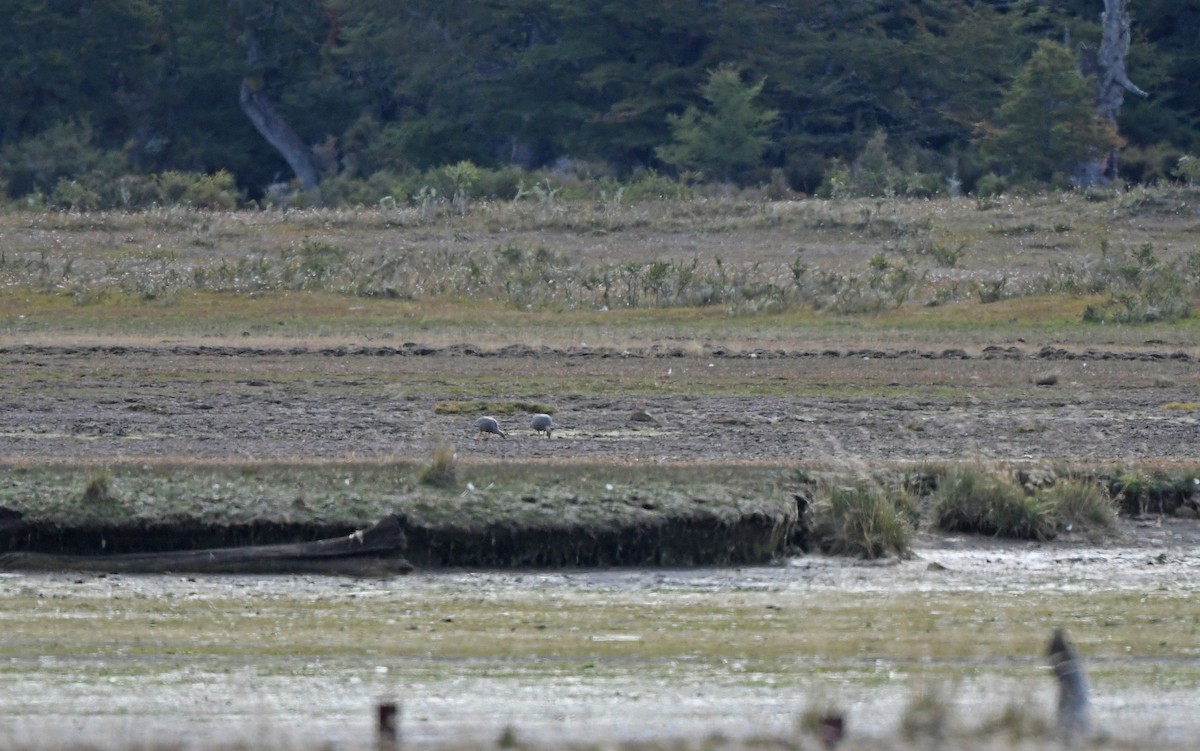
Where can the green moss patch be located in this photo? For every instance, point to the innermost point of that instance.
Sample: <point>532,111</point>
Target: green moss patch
<point>491,408</point>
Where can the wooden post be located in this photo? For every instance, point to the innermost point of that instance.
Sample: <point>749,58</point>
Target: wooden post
<point>388,728</point>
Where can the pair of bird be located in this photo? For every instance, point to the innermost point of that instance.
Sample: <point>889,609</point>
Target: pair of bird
<point>489,426</point>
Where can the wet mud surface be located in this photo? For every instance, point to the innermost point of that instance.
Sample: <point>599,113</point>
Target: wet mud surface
<point>843,406</point>
<point>608,682</point>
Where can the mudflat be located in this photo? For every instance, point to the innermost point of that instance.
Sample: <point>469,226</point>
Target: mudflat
<point>855,408</point>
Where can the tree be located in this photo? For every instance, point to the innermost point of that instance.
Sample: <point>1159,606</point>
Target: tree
<point>258,106</point>
<point>1047,121</point>
<point>730,136</point>
<point>428,70</point>
<point>1111,84</point>
<point>65,61</point>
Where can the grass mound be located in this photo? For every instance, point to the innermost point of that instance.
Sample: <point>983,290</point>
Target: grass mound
<point>98,488</point>
<point>977,500</point>
<point>442,470</point>
<point>1082,505</point>
<point>864,520</point>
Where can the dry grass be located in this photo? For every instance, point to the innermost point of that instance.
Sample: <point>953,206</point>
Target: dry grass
<point>442,470</point>
<point>515,272</point>
<point>1083,505</point>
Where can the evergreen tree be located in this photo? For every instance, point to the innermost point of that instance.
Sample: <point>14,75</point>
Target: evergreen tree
<point>730,136</point>
<point>1047,122</point>
<point>372,86</point>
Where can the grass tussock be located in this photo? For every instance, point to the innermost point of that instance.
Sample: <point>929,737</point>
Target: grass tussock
<point>1016,722</point>
<point>927,716</point>
<point>981,501</point>
<point>1140,491</point>
<point>442,470</point>
<point>865,520</point>
<point>1029,505</point>
<point>1045,379</point>
<point>99,488</point>
<point>460,408</point>
<point>1082,505</point>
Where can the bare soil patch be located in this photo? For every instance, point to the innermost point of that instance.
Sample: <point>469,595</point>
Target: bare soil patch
<point>851,408</point>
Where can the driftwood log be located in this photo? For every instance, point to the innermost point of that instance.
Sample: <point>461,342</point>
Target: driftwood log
<point>367,552</point>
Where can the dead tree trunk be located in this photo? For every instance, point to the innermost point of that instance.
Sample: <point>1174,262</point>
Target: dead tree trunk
<point>267,121</point>
<point>1112,81</point>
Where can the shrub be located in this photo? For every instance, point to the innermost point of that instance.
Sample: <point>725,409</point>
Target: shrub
<point>927,716</point>
<point>442,470</point>
<point>873,173</point>
<point>1156,163</point>
<point>886,286</point>
<point>217,191</point>
<point>1081,505</point>
<point>877,173</point>
<point>1140,492</point>
<point>1142,289</point>
<point>500,183</point>
<point>1187,169</point>
<point>1016,722</point>
<point>75,195</point>
<point>975,500</point>
<point>863,520</point>
<point>98,488</point>
<point>648,185</point>
<point>989,186</point>
<point>98,190</point>
<point>316,261</point>
<point>62,152</point>
<point>947,255</point>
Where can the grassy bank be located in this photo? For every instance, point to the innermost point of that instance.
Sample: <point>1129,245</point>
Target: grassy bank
<point>489,514</point>
<point>555,514</point>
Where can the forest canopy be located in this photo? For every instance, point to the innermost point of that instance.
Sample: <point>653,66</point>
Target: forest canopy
<point>108,102</point>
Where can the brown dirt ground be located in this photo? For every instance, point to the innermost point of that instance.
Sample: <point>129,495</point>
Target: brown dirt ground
<point>850,408</point>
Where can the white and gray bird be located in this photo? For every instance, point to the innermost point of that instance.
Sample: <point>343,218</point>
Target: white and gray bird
<point>488,427</point>
<point>542,424</point>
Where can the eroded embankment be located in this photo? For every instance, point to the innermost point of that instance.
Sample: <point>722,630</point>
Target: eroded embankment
<point>698,538</point>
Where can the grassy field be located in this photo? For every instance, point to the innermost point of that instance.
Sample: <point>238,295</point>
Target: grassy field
<point>727,272</point>
<point>218,369</point>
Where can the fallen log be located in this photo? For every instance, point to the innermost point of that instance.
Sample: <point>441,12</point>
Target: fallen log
<point>367,552</point>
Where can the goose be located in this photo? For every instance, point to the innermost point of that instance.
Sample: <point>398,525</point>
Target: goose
<point>488,427</point>
<point>542,424</point>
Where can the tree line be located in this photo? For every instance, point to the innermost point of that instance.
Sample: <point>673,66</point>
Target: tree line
<point>347,99</point>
